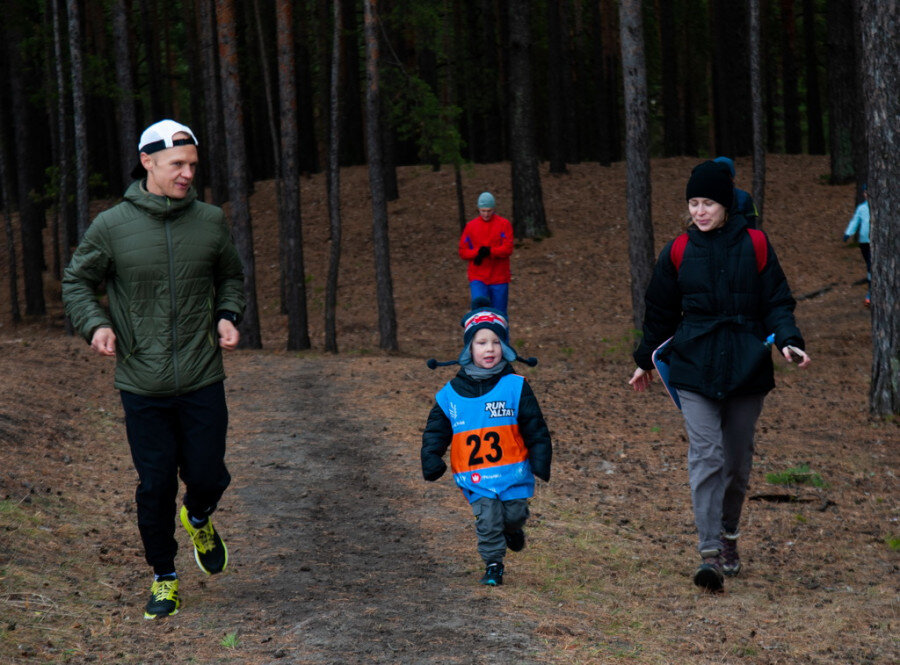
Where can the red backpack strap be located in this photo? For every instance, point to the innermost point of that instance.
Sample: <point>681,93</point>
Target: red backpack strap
<point>676,252</point>
<point>760,248</point>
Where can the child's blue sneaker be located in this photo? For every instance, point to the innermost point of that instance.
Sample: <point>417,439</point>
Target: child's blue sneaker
<point>493,574</point>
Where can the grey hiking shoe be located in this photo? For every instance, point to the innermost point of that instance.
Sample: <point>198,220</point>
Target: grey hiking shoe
<point>709,575</point>
<point>731,560</point>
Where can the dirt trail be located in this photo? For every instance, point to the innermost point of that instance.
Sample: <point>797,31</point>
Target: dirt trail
<point>342,575</point>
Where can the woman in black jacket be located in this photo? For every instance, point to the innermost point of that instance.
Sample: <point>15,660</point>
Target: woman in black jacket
<point>718,294</point>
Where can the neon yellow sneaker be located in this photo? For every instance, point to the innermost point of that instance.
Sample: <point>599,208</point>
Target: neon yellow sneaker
<point>209,549</point>
<point>164,601</point>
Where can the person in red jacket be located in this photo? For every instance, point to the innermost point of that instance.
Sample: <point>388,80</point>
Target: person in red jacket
<point>487,243</point>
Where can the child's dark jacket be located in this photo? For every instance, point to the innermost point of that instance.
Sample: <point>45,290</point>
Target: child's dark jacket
<point>439,431</point>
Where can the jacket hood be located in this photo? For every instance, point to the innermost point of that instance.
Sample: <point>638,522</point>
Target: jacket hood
<point>159,207</point>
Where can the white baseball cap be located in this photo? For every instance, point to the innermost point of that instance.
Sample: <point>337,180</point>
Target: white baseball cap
<point>158,136</point>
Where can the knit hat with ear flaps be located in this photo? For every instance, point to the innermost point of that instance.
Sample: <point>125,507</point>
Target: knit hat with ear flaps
<point>482,315</point>
<point>711,180</point>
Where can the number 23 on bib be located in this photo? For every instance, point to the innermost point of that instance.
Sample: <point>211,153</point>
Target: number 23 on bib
<point>488,456</point>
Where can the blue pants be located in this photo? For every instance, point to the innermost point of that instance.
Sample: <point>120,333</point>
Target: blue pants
<point>171,436</point>
<point>498,294</point>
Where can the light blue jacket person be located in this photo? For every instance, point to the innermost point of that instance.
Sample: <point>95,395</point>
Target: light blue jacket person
<point>859,223</point>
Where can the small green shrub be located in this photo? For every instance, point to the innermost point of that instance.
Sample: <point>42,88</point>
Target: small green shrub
<point>798,475</point>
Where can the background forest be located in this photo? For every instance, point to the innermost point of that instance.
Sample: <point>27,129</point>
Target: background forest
<point>282,88</point>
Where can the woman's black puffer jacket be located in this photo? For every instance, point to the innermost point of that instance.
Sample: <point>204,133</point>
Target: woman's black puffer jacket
<point>720,308</point>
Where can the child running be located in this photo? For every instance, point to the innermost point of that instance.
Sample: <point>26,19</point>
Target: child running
<point>491,420</point>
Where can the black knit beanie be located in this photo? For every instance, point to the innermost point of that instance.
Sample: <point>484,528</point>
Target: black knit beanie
<point>711,180</point>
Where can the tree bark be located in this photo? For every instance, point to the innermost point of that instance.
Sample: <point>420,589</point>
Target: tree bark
<point>387,318</point>
<point>731,80</point>
<point>6,201</point>
<point>555,100</point>
<point>151,40</point>
<point>353,145</point>
<point>28,176</point>
<point>241,226</point>
<point>82,205</point>
<point>880,33</point>
<point>842,98</point>
<point>793,134</point>
<point>267,81</point>
<point>212,149</point>
<point>63,237</point>
<point>814,123</point>
<point>289,201</point>
<point>334,184</point>
<point>529,220</point>
<point>759,139</point>
<point>127,119</point>
<point>637,155</point>
<point>673,121</point>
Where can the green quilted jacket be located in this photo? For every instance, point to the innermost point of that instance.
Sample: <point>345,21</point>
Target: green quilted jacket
<point>169,265</point>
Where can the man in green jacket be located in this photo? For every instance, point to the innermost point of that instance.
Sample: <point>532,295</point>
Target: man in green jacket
<point>174,284</point>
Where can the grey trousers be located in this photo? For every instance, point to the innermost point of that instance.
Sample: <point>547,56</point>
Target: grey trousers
<point>493,517</point>
<point>720,456</point>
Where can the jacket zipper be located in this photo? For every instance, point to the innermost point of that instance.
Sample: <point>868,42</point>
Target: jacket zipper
<point>173,301</point>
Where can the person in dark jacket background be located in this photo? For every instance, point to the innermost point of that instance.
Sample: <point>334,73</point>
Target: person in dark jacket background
<point>743,203</point>
<point>175,287</point>
<point>490,419</point>
<point>720,307</point>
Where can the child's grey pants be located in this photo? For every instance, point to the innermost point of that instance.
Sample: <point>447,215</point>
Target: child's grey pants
<point>720,456</point>
<point>493,517</point>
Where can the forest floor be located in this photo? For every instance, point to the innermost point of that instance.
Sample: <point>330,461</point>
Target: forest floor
<point>341,553</point>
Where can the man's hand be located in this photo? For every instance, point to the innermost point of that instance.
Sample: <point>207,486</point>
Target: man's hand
<point>228,335</point>
<point>104,341</point>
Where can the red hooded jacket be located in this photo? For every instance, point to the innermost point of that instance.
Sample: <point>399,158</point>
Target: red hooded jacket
<point>497,234</point>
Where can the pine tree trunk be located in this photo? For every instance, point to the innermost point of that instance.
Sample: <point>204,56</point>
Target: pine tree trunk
<point>793,135</point>
<point>334,183</point>
<point>213,148</point>
<point>127,119</point>
<point>289,201</point>
<point>384,288</point>
<point>150,37</point>
<point>28,177</point>
<point>529,220</point>
<point>881,58</point>
<point>673,126</point>
<point>63,238</point>
<point>6,203</point>
<point>637,155</point>
<point>814,123</point>
<point>759,145</point>
<point>352,125</point>
<point>555,100</point>
<point>610,121</point>
<point>82,205</point>
<point>731,79</point>
<point>842,99</point>
<point>237,168</point>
